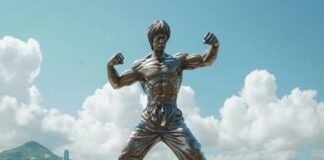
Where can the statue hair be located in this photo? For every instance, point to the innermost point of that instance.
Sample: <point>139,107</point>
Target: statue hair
<point>158,27</point>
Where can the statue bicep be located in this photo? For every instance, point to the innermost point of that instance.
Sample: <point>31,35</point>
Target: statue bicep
<point>193,61</point>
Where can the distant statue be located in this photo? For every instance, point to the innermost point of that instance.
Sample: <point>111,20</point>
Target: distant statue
<point>160,76</point>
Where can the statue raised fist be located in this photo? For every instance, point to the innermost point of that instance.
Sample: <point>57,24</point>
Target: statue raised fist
<point>117,59</point>
<point>210,39</point>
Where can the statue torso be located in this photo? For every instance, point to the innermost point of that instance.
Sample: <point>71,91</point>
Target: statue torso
<point>160,79</point>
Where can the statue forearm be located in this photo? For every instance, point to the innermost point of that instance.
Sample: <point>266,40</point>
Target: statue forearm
<point>113,76</point>
<point>126,78</point>
<point>210,55</point>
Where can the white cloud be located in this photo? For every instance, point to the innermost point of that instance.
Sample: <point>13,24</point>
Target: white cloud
<point>256,155</point>
<point>274,125</point>
<point>19,65</point>
<point>19,98</point>
<point>259,89</point>
<point>104,123</point>
<point>255,124</point>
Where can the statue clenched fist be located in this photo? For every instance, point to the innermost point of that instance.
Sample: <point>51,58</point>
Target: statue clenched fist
<point>117,59</point>
<point>211,39</point>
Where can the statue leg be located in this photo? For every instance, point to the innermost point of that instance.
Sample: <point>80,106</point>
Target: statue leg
<point>183,144</point>
<point>139,143</point>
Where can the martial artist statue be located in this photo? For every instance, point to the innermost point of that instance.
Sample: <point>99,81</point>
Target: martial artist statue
<point>160,75</point>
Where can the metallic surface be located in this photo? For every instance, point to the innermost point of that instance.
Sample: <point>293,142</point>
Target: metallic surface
<point>160,76</point>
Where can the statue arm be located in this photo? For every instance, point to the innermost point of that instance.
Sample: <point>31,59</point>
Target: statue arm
<point>195,61</point>
<point>126,78</point>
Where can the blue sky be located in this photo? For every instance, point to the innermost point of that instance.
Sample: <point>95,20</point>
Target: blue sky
<point>77,38</point>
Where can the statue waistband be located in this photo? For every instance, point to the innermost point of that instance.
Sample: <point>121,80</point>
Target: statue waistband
<point>172,103</point>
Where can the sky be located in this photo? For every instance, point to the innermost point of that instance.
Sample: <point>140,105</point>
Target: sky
<point>267,77</point>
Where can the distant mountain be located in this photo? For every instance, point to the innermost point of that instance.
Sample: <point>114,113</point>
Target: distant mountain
<point>29,151</point>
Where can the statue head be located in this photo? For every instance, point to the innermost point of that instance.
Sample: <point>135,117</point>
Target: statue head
<point>158,27</point>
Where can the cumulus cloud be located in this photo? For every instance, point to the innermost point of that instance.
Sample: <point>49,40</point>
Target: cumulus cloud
<point>19,65</point>
<point>255,155</point>
<point>276,126</point>
<point>104,123</point>
<point>19,98</point>
<point>254,124</point>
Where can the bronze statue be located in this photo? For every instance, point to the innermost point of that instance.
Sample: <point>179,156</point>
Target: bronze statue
<point>160,76</point>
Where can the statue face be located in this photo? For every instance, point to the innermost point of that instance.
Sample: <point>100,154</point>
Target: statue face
<point>159,42</point>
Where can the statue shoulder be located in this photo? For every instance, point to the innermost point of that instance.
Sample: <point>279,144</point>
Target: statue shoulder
<point>180,56</point>
<point>138,63</point>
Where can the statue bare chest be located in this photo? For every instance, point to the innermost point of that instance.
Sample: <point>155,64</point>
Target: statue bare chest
<point>153,68</point>
<point>161,78</point>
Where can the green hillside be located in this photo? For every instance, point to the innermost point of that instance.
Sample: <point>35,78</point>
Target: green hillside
<point>29,151</point>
